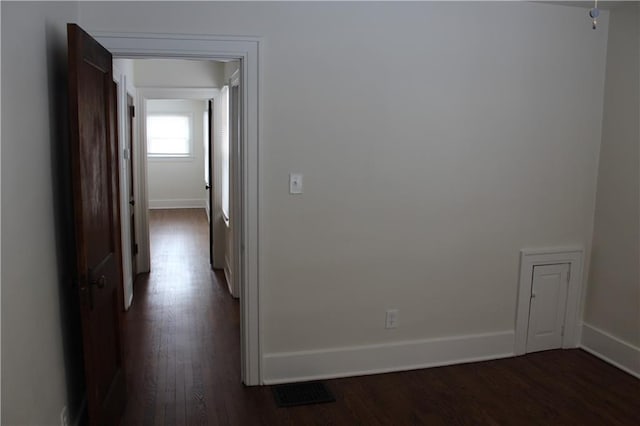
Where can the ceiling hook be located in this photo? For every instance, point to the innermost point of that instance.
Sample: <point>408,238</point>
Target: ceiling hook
<point>594,12</point>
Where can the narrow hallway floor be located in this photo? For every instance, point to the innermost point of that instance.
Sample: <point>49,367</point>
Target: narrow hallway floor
<point>182,332</point>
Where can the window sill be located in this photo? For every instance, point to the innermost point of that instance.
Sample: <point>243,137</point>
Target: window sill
<point>165,158</point>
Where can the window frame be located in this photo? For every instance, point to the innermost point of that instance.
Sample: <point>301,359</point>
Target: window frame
<point>172,157</point>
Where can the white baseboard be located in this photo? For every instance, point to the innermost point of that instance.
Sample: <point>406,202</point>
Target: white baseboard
<point>611,349</point>
<point>129,302</point>
<point>300,366</point>
<point>177,204</point>
<point>129,298</point>
<point>229,277</point>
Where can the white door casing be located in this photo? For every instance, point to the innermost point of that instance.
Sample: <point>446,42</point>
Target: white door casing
<point>127,265</point>
<point>235,130</point>
<point>548,307</point>
<point>246,176</point>
<point>143,95</point>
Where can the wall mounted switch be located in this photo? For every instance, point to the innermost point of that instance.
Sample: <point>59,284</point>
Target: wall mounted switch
<point>295,183</point>
<point>391,319</point>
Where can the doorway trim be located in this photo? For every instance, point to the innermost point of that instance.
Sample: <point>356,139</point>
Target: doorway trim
<point>247,51</point>
<point>530,258</point>
<point>144,94</point>
<point>123,116</point>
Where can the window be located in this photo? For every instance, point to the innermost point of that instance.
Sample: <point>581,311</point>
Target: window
<point>168,135</point>
<point>224,154</point>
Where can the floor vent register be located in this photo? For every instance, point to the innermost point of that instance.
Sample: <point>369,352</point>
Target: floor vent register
<point>292,394</point>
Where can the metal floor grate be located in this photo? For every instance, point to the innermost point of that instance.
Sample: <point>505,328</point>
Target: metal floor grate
<point>292,394</point>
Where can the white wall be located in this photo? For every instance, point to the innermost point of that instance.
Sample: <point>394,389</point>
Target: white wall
<point>613,298</point>
<point>177,73</point>
<point>0,219</point>
<point>41,366</point>
<point>219,226</point>
<point>126,67</point>
<point>178,183</point>
<point>230,68</point>
<point>422,181</point>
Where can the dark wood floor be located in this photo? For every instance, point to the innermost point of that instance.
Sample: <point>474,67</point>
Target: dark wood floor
<point>183,368</point>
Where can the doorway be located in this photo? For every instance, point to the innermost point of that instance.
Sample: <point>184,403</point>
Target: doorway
<point>245,175</point>
<point>171,180</point>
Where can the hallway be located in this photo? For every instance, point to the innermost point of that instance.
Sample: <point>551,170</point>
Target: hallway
<point>182,332</point>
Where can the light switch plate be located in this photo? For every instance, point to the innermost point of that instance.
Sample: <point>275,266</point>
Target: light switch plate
<point>391,320</point>
<point>295,183</point>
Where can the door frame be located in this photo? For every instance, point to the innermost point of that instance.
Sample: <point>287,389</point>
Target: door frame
<point>235,136</point>
<point>209,160</point>
<point>248,51</point>
<point>144,94</point>
<point>124,89</point>
<point>530,258</point>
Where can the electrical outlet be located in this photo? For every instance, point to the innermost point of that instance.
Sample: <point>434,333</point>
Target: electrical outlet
<point>295,183</point>
<point>64,417</point>
<point>391,319</point>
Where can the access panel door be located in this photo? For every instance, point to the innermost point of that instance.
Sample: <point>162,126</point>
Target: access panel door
<point>548,307</point>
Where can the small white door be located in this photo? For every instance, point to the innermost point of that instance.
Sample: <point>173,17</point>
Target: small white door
<point>548,306</point>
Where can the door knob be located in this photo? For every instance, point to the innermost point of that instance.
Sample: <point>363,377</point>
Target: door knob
<point>100,282</point>
<point>132,202</point>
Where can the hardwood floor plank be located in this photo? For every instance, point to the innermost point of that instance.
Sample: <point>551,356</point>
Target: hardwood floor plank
<point>183,364</point>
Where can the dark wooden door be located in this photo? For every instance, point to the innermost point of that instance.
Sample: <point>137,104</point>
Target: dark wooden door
<point>210,177</point>
<point>94,162</point>
<point>131,188</point>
